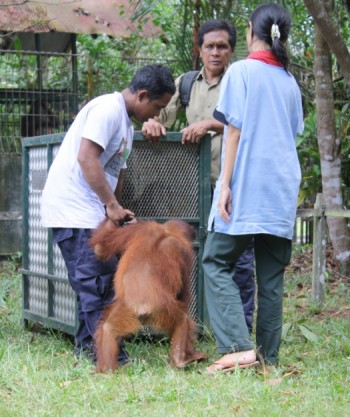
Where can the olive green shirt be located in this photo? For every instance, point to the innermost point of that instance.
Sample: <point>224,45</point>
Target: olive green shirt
<point>203,100</point>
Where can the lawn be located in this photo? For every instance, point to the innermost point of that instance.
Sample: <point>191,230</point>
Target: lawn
<point>39,376</point>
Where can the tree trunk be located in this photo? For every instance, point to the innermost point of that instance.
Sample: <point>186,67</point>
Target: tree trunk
<point>196,17</point>
<point>329,147</point>
<point>331,33</point>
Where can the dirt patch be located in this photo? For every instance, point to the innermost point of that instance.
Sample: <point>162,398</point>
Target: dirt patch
<point>342,313</point>
<point>301,265</point>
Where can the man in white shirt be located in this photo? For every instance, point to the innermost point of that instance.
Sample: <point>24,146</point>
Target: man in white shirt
<point>84,186</point>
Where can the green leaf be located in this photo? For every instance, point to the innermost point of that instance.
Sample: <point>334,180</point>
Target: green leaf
<point>285,329</point>
<point>308,334</point>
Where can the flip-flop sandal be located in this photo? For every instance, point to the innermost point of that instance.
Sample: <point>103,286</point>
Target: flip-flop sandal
<point>219,367</point>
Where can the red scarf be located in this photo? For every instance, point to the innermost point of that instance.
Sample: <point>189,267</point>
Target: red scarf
<point>265,56</point>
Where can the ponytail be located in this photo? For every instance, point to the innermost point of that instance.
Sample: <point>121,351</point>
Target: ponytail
<point>271,23</point>
<point>278,48</point>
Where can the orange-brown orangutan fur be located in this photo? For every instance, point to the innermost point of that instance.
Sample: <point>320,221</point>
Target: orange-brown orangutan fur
<point>152,287</point>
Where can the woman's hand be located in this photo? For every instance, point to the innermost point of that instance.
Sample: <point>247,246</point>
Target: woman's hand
<point>225,203</point>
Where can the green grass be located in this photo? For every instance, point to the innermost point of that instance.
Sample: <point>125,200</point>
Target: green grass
<point>40,377</point>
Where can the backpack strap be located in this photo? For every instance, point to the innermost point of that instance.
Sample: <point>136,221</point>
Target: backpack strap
<point>185,86</point>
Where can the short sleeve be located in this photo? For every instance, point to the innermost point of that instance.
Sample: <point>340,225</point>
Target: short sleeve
<point>168,115</point>
<point>101,124</point>
<point>232,100</point>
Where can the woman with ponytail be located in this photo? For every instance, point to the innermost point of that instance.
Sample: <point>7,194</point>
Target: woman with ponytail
<point>256,193</point>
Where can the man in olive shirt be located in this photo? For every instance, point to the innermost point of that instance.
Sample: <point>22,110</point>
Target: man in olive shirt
<point>216,41</point>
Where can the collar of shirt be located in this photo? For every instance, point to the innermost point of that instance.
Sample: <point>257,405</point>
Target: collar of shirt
<point>265,56</point>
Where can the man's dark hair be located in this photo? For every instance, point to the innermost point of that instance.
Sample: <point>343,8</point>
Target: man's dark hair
<point>156,79</point>
<point>218,24</point>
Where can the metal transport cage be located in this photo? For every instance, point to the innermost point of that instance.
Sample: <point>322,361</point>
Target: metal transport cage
<point>163,181</point>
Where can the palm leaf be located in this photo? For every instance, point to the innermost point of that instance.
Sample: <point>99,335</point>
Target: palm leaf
<point>285,329</point>
<point>308,334</point>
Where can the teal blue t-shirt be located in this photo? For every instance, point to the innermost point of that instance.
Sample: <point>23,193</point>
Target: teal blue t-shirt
<point>264,102</point>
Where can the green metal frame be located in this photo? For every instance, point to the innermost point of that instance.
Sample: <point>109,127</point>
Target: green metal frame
<point>49,321</point>
<point>50,141</point>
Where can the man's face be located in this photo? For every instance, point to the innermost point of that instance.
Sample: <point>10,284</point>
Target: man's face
<point>148,109</point>
<point>216,51</point>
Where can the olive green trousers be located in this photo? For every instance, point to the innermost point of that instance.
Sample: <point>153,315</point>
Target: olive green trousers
<point>226,315</point>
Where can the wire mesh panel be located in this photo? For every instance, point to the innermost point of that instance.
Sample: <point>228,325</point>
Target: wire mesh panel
<point>163,181</point>
<point>37,251</point>
<point>47,295</point>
